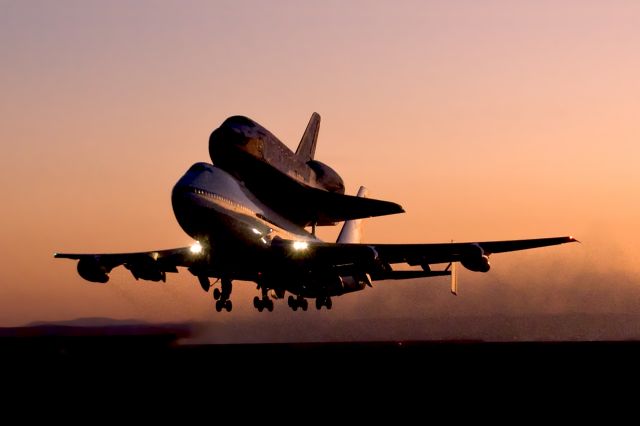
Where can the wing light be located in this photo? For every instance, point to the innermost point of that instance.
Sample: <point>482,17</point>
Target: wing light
<point>196,248</point>
<point>300,245</point>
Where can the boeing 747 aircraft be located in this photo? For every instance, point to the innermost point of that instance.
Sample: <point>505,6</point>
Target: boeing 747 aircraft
<point>253,214</point>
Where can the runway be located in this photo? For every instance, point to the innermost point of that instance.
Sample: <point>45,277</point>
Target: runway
<point>141,347</point>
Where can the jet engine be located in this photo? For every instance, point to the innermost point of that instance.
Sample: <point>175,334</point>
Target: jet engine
<point>147,269</point>
<point>92,270</point>
<point>335,285</point>
<point>351,283</point>
<point>326,177</point>
<point>476,261</point>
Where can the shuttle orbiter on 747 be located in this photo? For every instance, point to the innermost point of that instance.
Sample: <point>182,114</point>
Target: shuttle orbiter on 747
<point>249,212</point>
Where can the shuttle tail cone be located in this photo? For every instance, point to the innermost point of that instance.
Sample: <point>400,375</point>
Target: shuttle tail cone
<point>351,232</point>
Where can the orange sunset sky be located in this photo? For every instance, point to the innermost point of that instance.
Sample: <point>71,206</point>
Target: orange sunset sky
<point>484,119</point>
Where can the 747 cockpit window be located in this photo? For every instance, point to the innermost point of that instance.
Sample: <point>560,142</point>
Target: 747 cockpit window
<point>199,167</point>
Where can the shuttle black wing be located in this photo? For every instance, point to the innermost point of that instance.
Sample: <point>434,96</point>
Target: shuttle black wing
<point>331,207</point>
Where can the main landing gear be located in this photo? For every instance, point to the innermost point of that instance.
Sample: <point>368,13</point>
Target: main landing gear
<point>323,301</point>
<point>265,302</point>
<point>298,302</point>
<point>221,296</point>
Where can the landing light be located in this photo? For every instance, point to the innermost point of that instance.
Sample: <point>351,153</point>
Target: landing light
<point>255,231</point>
<point>300,245</point>
<point>196,248</point>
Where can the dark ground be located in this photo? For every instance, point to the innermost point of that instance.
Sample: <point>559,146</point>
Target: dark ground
<point>148,370</point>
<point>147,349</point>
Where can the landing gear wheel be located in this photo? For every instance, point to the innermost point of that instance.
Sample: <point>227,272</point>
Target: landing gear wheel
<point>318,303</point>
<point>260,304</point>
<point>294,307</point>
<point>228,305</point>
<point>291,302</point>
<point>216,293</point>
<point>328,303</point>
<point>269,304</point>
<point>219,305</point>
<point>304,305</point>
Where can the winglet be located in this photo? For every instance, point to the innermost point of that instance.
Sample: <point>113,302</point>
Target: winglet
<point>307,147</point>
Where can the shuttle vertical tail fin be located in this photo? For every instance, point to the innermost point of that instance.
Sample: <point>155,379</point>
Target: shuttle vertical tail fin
<point>307,147</point>
<point>351,232</point>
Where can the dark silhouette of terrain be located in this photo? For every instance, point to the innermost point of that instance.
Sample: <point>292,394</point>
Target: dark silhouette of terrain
<point>141,357</point>
<point>472,341</point>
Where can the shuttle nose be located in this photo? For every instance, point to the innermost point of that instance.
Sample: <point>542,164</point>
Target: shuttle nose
<point>224,140</point>
<point>227,135</point>
<point>233,139</point>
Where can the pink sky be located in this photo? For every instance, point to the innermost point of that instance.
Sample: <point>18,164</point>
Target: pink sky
<point>485,120</point>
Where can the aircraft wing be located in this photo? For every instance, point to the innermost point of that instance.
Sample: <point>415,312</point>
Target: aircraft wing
<point>416,254</point>
<point>376,258</point>
<point>330,207</point>
<point>149,265</point>
<point>305,204</point>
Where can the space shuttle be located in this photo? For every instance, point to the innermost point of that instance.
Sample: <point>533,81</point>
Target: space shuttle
<point>295,184</point>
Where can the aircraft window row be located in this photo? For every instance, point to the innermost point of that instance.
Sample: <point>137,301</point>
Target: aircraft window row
<point>220,198</point>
